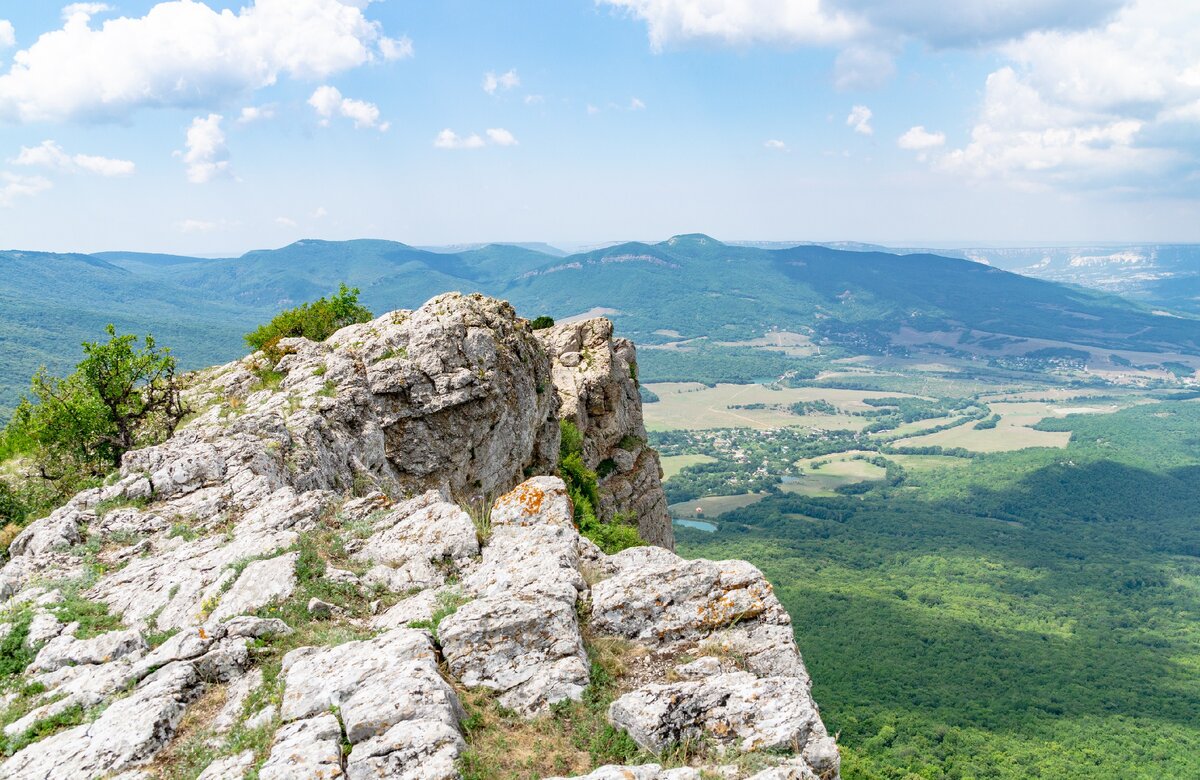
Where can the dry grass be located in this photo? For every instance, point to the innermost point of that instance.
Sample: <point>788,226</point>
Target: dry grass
<point>191,749</point>
<point>573,738</point>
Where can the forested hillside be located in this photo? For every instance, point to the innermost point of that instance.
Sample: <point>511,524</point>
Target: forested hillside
<point>693,287</point>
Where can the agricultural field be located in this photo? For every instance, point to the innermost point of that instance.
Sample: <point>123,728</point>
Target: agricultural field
<point>673,464</point>
<point>1015,429</point>
<point>693,406</point>
<point>979,601</point>
<point>713,506</point>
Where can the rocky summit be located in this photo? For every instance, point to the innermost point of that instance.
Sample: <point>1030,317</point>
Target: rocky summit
<point>352,548</point>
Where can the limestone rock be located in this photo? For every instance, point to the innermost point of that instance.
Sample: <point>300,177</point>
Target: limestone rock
<point>529,649</point>
<point>595,377</point>
<point>639,772</point>
<point>232,767</point>
<point>657,597</point>
<point>69,651</point>
<point>261,583</point>
<point>409,750</point>
<point>750,712</point>
<point>130,731</point>
<point>376,685</point>
<point>309,748</point>
<point>521,637</point>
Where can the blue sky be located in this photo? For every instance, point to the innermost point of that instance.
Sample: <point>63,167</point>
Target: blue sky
<point>126,126</point>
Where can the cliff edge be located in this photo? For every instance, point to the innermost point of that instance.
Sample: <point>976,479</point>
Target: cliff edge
<point>357,562</point>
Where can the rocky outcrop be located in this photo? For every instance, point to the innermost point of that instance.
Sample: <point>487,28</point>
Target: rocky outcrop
<point>312,573</point>
<point>595,377</point>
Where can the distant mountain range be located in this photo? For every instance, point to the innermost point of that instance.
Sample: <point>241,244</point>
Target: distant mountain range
<point>1163,275</point>
<point>686,287</point>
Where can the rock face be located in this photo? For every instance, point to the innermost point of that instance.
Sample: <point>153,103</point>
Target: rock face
<point>595,377</point>
<point>313,571</point>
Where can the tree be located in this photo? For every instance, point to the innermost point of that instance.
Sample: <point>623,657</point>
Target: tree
<point>316,321</point>
<point>124,394</point>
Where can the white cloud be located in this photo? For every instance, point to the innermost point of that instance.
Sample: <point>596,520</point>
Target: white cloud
<point>592,110</point>
<point>256,113</point>
<point>328,101</point>
<point>776,144</point>
<point>533,100</point>
<point>8,36</point>
<point>448,139</point>
<point>286,222</point>
<point>183,53</point>
<point>824,22</point>
<point>84,9</point>
<point>1117,106</point>
<point>501,137</point>
<point>207,157</point>
<point>320,212</point>
<point>860,120</point>
<point>49,154</point>
<point>196,226</point>
<point>14,186</point>
<point>396,48</point>
<point>503,82</point>
<point>739,22</point>
<point>636,105</point>
<point>918,139</point>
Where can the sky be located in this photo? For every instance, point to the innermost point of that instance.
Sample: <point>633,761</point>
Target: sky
<point>212,128</point>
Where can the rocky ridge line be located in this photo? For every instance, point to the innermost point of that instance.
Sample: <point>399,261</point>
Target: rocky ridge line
<point>209,548</point>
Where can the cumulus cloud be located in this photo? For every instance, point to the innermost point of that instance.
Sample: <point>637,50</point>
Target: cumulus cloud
<point>636,104</point>
<point>207,156</point>
<point>918,139</point>
<point>860,120</point>
<point>501,137</point>
<point>183,53</point>
<point>49,154</point>
<point>14,186</point>
<point>396,48</point>
<point>328,101</point>
<point>504,82</point>
<point>256,113</point>
<point>776,144</point>
<point>739,22</point>
<point>495,136</point>
<point>8,36</point>
<point>1116,106</point>
<point>84,9</point>
<point>534,100</point>
<point>285,222</point>
<point>824,22</point>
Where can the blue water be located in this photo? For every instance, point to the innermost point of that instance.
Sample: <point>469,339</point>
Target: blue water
<point>699,525</point>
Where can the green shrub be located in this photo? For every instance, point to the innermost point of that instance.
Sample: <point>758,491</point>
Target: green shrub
<point>542,322</point>
<point>14,654</point>
<point>584,491</point>
<point>316,321</point>
<point>73,430</point>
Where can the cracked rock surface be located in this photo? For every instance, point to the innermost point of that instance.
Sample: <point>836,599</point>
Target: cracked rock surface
<point>306,579</point>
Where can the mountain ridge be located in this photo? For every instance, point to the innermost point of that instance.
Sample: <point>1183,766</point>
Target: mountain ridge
<point>691,284</point>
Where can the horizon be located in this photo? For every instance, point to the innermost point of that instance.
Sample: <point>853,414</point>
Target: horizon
<point>580,247</point>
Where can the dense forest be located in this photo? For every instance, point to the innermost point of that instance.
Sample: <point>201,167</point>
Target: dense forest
<point>1029,614</point>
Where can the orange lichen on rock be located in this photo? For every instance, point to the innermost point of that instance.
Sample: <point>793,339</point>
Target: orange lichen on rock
<point>526,498</point>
